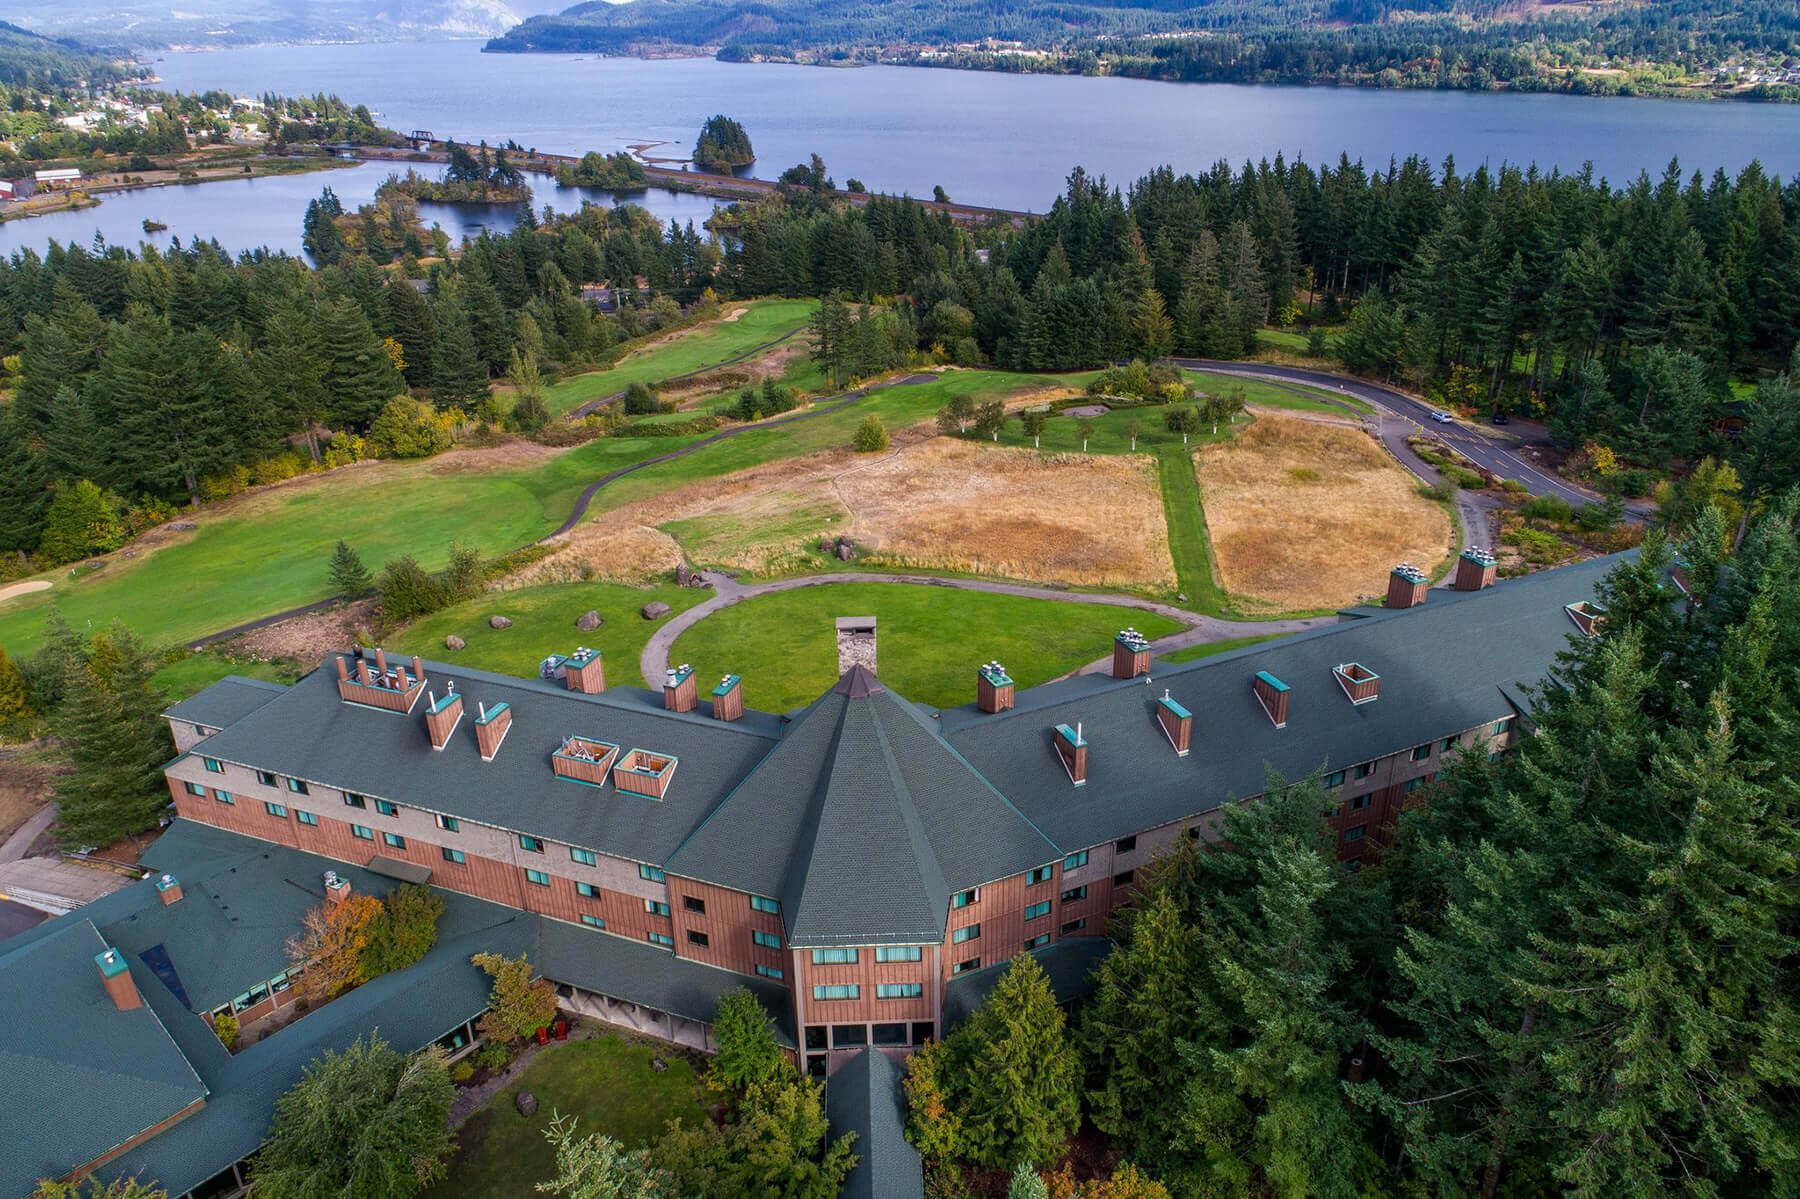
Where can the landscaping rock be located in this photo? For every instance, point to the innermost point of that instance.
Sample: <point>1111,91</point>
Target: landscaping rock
<point>827,546</point>
<point>499,622</point>
<point>658,1065</point>
<point>453,642</point>
<point>526,1102</point>
<point>588,621</point>
<point>655,610</point>
<point>684,575</point>
<point>183,526</point>
<point>845,552</point>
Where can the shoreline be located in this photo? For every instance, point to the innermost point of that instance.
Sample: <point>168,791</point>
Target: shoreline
<point>111,183</point>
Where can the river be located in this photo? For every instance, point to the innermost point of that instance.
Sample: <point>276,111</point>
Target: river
<point>987,138</point>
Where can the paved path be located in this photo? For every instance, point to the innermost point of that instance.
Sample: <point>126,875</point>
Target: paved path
<point>654,661</point>
<point>20,842</point>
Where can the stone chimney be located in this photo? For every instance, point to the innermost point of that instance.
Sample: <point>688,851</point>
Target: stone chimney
<point>1474,569</point>
<point>1407,585</point>
<point>1272,694</point>
<point>1177,723</point>
<point>115,976</point>
<point>442,716</point>
<point>1072,749</point>
<point>337,887</point>
<point>491,726</point>
<point>679,694</point>
<point>1360,684</point>
<point>856,643</point>
<point>584,672</point>
<point>1131,654</point>
<point>168,889</point>
<point>728,698</point>
<point>993,688</point>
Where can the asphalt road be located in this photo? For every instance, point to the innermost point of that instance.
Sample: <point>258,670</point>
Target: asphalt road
<point>15,918</point>
<point>1484,451</point>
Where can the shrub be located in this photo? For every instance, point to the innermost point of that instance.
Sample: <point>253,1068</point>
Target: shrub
<point>82,520</point>
<point>519,1003</point>
<point>1547,507</point>
<point>408,428</point>
<point>463,1071</point>
<point>225,1025</point>
<point>343,449</point>
<point>640,400</point>
<point>1597,518</point>
<point>491,1055</point>
<point>871,436</point>
<point>406,590</point>
<point>403,931</point>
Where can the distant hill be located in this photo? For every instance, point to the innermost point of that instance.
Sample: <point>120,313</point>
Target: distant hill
<point>30,60</point>
<point>162,23</point>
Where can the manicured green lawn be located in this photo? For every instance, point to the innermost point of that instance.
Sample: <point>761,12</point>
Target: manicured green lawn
<point>692,350</point>
<point>1292,396</point>
<point>608,1086</point>
<point>1187,533</point>
<point>1193,652</point>
<point>185,673</point>
<point>543,624</point>
<point>930,641</point>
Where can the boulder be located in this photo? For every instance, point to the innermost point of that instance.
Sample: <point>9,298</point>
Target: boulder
<point>183,526</point>
<point>827,545</point>
<point>453,642</point>
<point>588,621</point>
<point>684,575</point>
<point>658,1065</point>
<point>526,1102</point>
<point>655,610</point>
<point>844,552</point>
<point>499,622</point>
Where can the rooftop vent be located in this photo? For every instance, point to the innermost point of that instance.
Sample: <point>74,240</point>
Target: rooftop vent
<point>168,889</point>
<point>642,772</point>
<point>584,760</point>
<point>678,689</point>
<point>1071,748</point>
<point>583,671</point>
<point>728,698</point>
<point>115,976</point>
<point>1474,569</point>
<point>1360,683</point>
<point>442,716</point>
<point>1131,654</point>
<point>337,887</point>
<point>491,726</point>
<point>1272,694</point>
<point>993,688</point>
<point>1407,585</point>
<point>1587,615</point>
<point>392,688</point>
<point>856,643</point>
<point>1177,723</point>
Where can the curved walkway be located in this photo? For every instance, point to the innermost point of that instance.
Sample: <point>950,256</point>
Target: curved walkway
<point>653,662</point>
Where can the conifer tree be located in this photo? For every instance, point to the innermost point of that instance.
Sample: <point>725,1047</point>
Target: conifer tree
<point>347,573</point>
<point>109,720</point>
<point>1017,1075</point>
<point>358,376</point>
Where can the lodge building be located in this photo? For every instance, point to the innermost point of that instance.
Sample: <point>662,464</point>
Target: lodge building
<point>865,865</point>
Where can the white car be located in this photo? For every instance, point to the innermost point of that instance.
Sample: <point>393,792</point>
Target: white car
<point>1442,417</point>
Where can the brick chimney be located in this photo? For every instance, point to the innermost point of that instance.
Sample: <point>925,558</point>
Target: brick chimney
<point>1272,693</point>
<point>491,726</point>
<point>856,643</point>
<point>394,690</point>
<point>728,698</point>
<point>337,887</point>
<point>679,693</point>
<point>1407,585</point>
<point>1474,569</point>
<point>168,889</point>
<point>1177,723</point>
<point>993,688</point>
<point>1072,748</point>
<point>442,716</point>
<point>1360,684</point>
<point>584,672</point>
<point>1131,654</point>
<point>115,976</point>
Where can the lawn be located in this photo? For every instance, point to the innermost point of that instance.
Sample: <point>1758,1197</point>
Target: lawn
<point>1194,652</point>
<point>1187,534</point>
<point>606,1083</point>
<point>931,639</point>
<point>544,623</point>
<point>185,673</point>
<point>709,344</point>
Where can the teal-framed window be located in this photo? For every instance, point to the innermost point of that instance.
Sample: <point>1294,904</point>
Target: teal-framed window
<point>899,990</point>
<point>362,832</point>
<point>899,953</point>
<point>760,904</point>
<point>1501,725</point>
<point>354,800</point>
<point>1421,752</point>
<point>834,957</point>
<point>393,840</point>
<point>296,786</point>
<point>275,809</point>
<point>537,878</point>
<point>194,789</point>
<point>1359,802</point>
<point>662,939</point>
<point>592,921</point>
<point>1042,874</point>
<point>963,899</point>
<point>966,965</point>
<point>587,890</point>
<point>1364,769</point>
<point>213,765</point>
<point>693,903</point>
<point>1076,860</point>
<point>1448,744</point>
<point>223,797</point>
<point>830,991</point>
<point>656,907</point>
<point>1075,893</point>
<point>1073,926</point>
<point>1034,910</point>
<point>448,823</point>
<point>306,818</point>
<point>386,808</point>
<point>967,932</point>
<point>1038,942</point>
<point>1413,785</point>
<point>769,972</point>
<point>268,778</point>
<point>586,857</point>
<point>1336,778</point>
<point>1355,832</point>
<point>651,874</point>
<point>454,855</point>
<point>531,844</point>
<point>766,940</point>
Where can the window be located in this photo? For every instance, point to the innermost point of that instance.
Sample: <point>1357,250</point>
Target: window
<point>697,938</point>
<point>1413,785</point>
<point>815,1036</point>
<point>1034,910</point>
<point>1501,725</point>
<point>1076,860</point>
<point>1074,893</point>
<point>530,844</point>
<point>195,789</point>
<point>965,966</point>
<point>770,972</point>
<point>1355,833</point>
<point>899,990</point>
<point>1123,878</point>
<point>651,874</point>
<point>223,797</point>
<point>537,878</point>
<point>393,840</point>
<point>1336,778</point>
<point>306,818</point>
<point>888,1034</point>
<point>1040,875</point>
<point>296,786</point>
<point>454,855</point>
<point>275,809</point>
<point>663,939</point>
<point>846,1036</point>
<point>1359,802</point>
<point>1073,926</point>
<point>1447,744</point>
<point>361,832</point>
<point>355,800</point>
<point>592,921</point>
<point>200,731</point>
<point>963,899</point>
<point>448,823</point>
<point>586,857</point>
<point>1125,845</point>
<point>834,957</point>
<point>1038,942</point>
<point>1365,769</point>
<point>268,778</point>
<point>587,890</point>
<point>656,907</point>
<point>693,903</point>
<point>1421,752</point>
<point>899,953</point>
<point>213,764</point>
<point>966,933</point>
<point>838,991</point>
<point>386,808</point>
<point>759,904</point>
<point>766,940</point>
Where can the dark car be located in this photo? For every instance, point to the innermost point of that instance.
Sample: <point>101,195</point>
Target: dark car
<point>1500,418</point>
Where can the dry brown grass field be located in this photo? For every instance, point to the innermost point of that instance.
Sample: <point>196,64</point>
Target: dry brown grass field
<point>930,503</point>
<point>1307,515</point>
